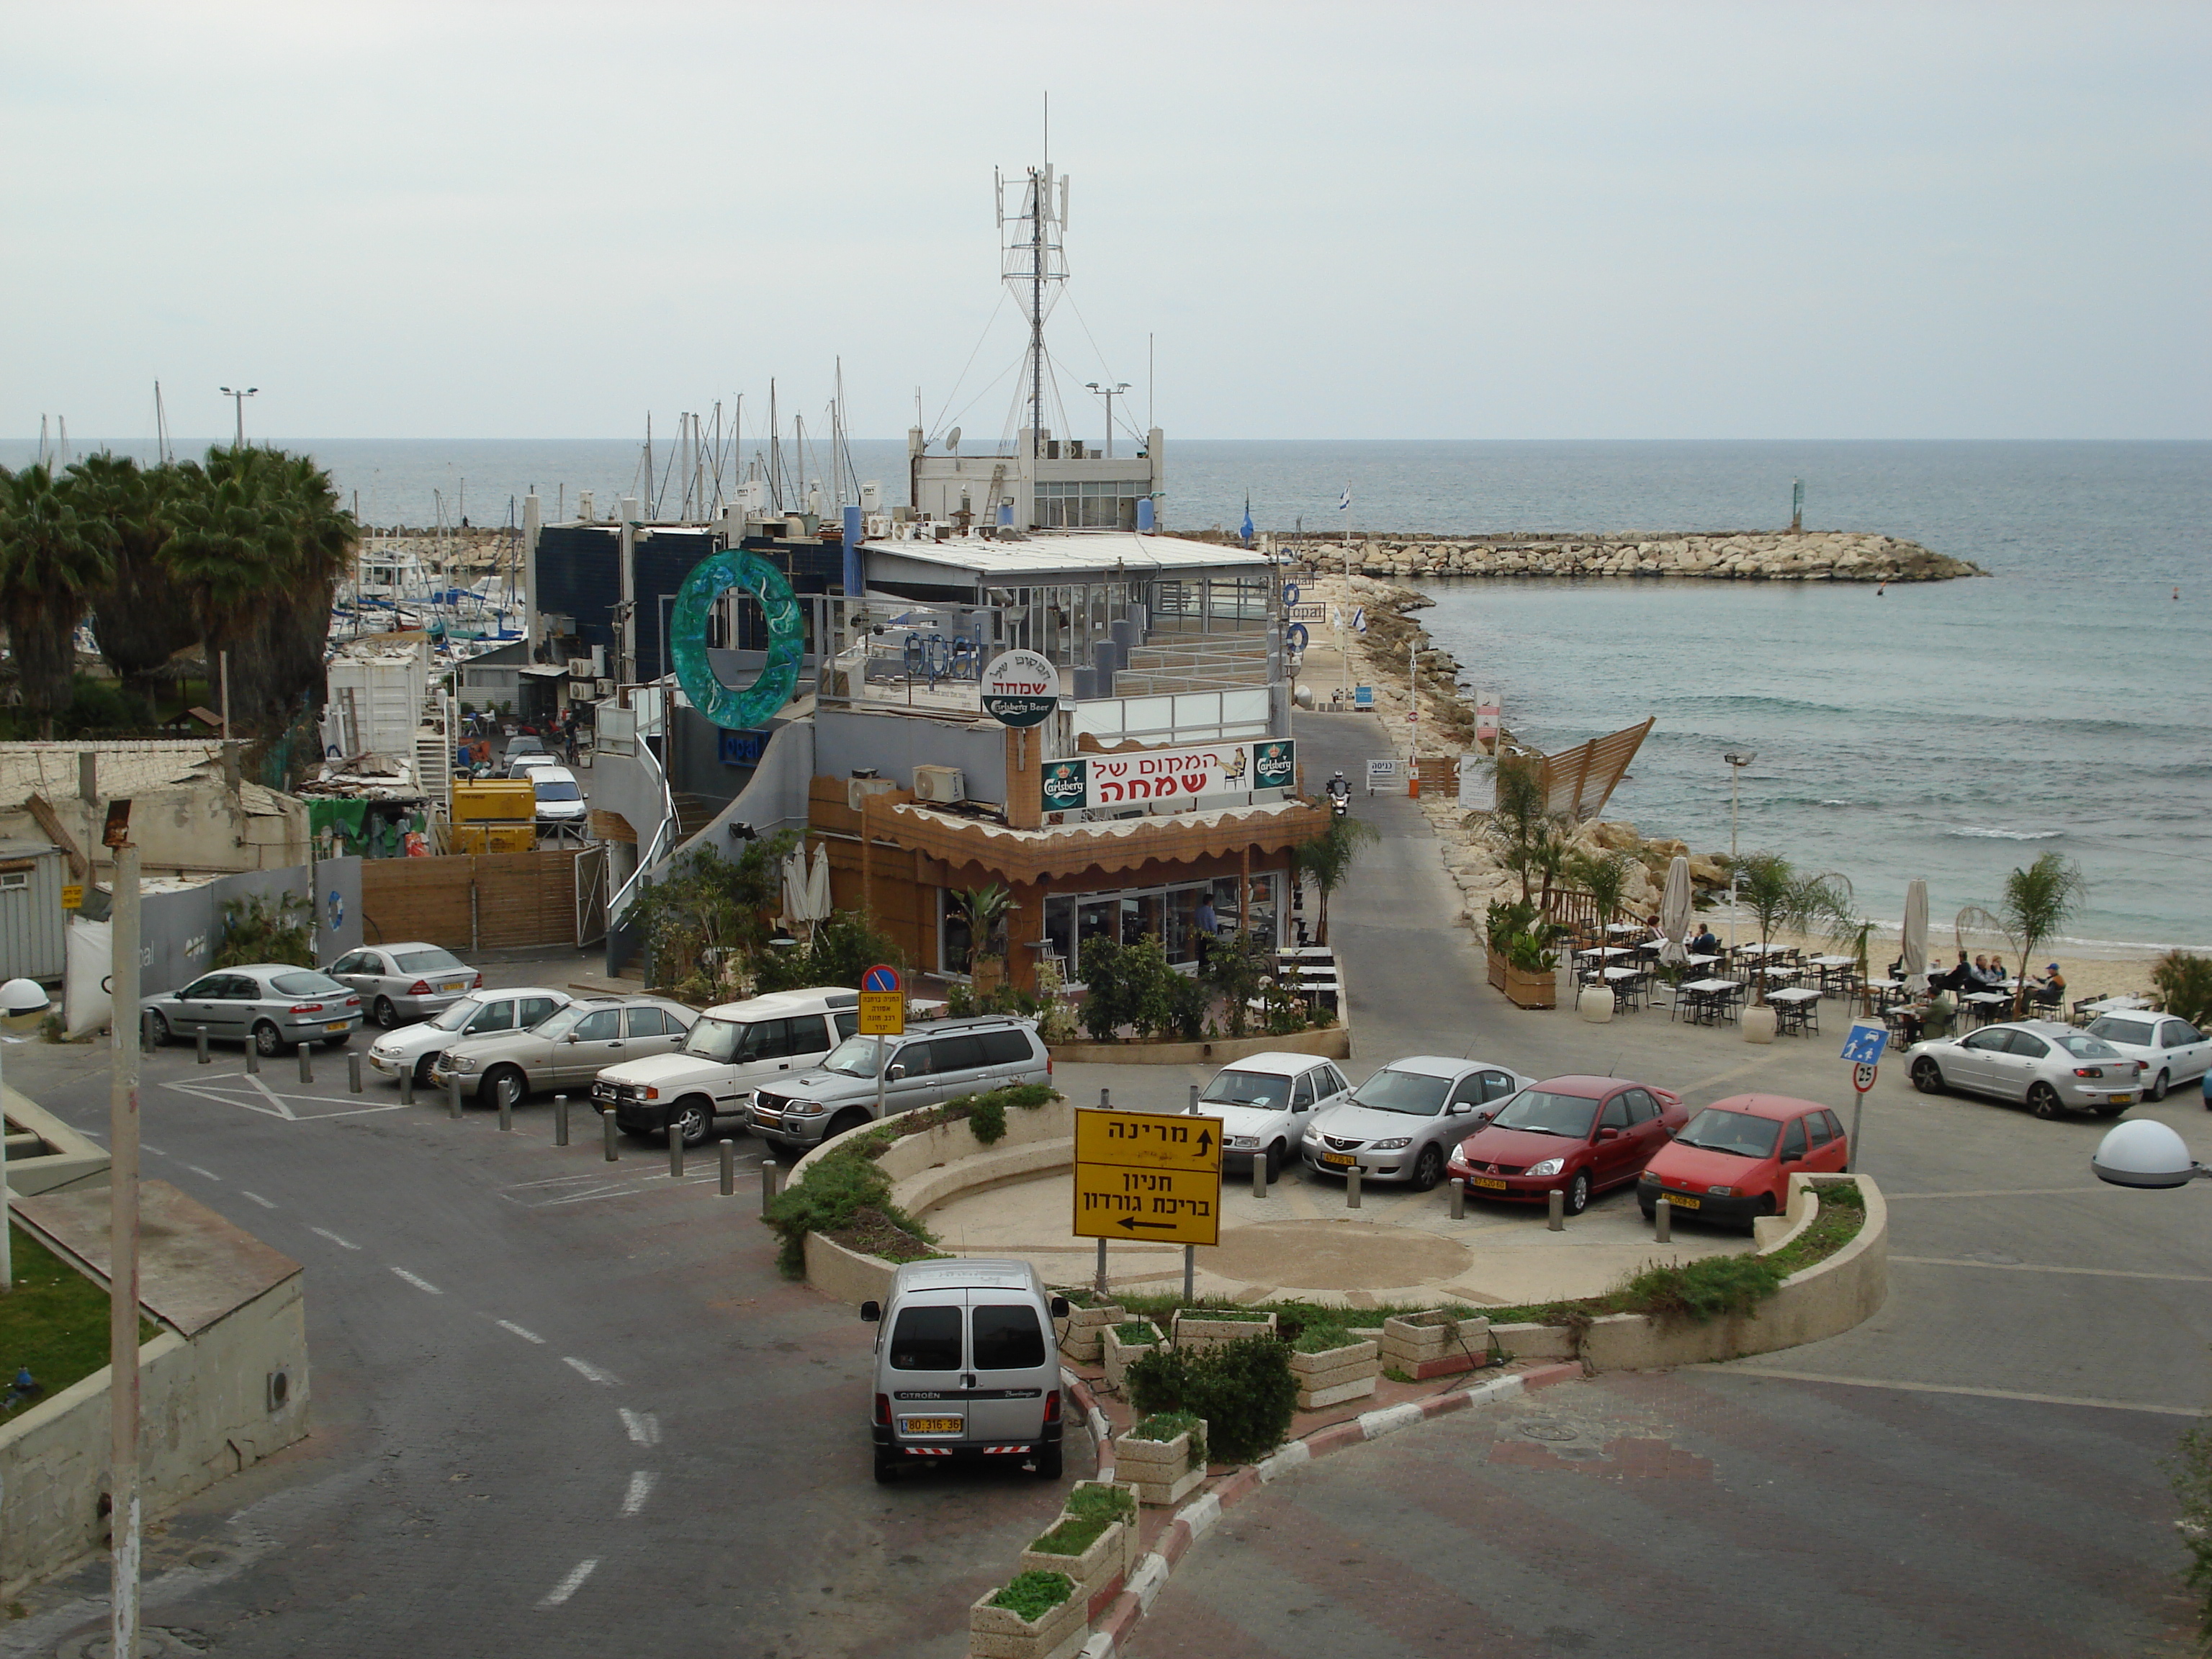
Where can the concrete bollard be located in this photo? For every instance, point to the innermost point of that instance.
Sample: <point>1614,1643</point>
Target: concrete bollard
<point>771,1180</point>
<point>407,1085</point>
<point>1259,1175</point>
<point>252,1058</point>
<point>1458,1200</point>
<point>675,1152</point>
<point>1105,1097</point>
<point>146,1044</point>
<point>353,1071</point>
<point>1193,1108</point>
<point>1663,1222</point>
<point>200,1043</point>
<point>454,1097</point>
<point>306,1064</point>
<point>506,1113</point>
<point>559,1120</point>
<point>729,1151</point>
<point>1351,1187</point>
<point>607,1137</point>
<point>1555,1211</point>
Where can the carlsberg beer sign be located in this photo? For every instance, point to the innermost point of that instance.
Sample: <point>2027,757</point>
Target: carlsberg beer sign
<point>1020,688</point>
<point>1183,775</point>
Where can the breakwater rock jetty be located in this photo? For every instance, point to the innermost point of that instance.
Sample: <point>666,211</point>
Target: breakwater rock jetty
<point>1815,555</point>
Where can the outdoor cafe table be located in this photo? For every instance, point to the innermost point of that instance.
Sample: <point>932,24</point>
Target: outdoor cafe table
<point>2113,1006</point>
<point>1791,1006</point>
<point>1761,950</point>
<point>1607,952</point>
<point>1620,927</point>
<point>1985,1004</point>
<point>1698,959</point>
<point>1706,997</point>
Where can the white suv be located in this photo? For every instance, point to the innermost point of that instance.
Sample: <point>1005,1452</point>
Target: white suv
<point>733,1049</point>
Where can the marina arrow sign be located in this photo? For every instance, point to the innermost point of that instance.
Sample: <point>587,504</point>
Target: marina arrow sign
<point>1020,688</point>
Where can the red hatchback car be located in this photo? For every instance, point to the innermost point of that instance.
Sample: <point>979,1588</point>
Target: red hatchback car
<point>1576,1135</point>
<point>1734,1160</point>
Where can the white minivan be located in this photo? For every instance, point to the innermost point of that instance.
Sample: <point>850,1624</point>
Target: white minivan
<point>966,1366</point>
<point>733,1048</point>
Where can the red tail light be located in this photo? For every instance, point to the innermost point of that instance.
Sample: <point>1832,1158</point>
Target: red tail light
<point>306,1007</point>
<point>2089,1071</point>
<point>883,1409</point>
<point>475,982</point>
<point>1052,1406</point>
<point>1047,1064</point>
<point>421,987</point>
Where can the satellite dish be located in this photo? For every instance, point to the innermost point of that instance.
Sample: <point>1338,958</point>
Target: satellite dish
<point>952,441</point>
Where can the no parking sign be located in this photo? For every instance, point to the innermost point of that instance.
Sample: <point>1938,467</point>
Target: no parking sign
<point>883,1003</point>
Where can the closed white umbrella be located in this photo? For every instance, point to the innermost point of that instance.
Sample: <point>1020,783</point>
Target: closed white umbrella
<point>794,889</point>
<point>1674,910</point>
<point>817,884</point>
<point>1916,936</point>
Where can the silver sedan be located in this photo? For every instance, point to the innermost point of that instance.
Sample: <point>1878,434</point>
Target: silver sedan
<point>273,1004</point>
<point>1403,1122</point>
<point>402,982</point>
<point>2049,1066</point>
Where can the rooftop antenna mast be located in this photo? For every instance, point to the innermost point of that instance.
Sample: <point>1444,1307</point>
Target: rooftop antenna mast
<point>1033,263</point>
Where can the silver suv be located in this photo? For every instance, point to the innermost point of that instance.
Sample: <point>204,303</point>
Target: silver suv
<point>929,1064</point>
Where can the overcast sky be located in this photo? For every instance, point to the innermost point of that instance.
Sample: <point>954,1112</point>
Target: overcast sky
<point>1555,220</point>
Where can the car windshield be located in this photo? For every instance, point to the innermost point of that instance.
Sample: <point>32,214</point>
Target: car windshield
<point>854,1056</point>
<point>456,1016</point>
<point>1249,1089</point>
<point>306,985</point>
<point>1739,1133</point>
<point>1547,1114</point>
<point>558,1022</point>
<point>2122,1030</point>
<point>2083,1046</point>
<point>432,961</point>
<point>557,789</point>
<point>1414,1093</point>
<point>715,1039</point>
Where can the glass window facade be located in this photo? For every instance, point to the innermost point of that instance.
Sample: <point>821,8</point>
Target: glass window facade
<point>1169,914</point>
<point>1088,503</point>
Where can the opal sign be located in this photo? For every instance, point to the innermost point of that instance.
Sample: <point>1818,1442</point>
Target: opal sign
<point>1020,688</point>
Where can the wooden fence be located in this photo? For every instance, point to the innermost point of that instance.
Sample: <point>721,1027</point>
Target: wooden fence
<point>487,902</point>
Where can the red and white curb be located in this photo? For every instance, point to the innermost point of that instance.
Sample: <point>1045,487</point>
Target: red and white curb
<point>1197,1519</point>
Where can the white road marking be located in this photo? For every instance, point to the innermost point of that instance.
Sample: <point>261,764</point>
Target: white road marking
<point>419,1284</point>
<point>271,1097</point>
<point>659,1182</point>
<point>568,1586</point>
<point>527,1336</point>
<point>641,1488</point>
<point>1741,1369</point>
<point>2040,1268</point>
<point>157,1151</point>
<point>196,1170</point>
<point>2013,1192</point>
<point>589,1373</point>
<point>257,1199</point>
<point>343,1244</point>
<point>644,1426</point>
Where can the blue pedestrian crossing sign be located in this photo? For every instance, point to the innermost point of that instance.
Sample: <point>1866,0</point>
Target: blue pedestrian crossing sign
<point>1863,1044</point>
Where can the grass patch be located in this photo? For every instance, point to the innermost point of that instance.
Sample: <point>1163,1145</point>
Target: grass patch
<point>54,1322</point>
<point>1843,1212</point>
<point>2190,1469</point>
<point>1317,1335</point>
<point>1030,1595</point>
<point>1091,1500</point>
<point>1071,1537</point>
<point>1130,1332</point>
<point>833,1196</point>
<point>1164,1426</point>
<point>1396,1374</point>
<point>874,1233</point>
<point>1289,1312</point>
<point>984,1113</point>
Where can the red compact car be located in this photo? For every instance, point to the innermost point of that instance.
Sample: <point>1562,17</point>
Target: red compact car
<point>1576,1135</point>
<point>1734,1160</point>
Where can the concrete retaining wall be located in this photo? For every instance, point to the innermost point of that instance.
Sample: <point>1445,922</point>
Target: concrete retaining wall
<point>205,1414</point>
<point>68,1159</point>
<point>1333,1042</point>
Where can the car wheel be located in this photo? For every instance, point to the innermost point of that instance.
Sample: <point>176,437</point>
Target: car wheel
<point>386,1015</point>
<point>1578,1192</point>
<point>2043,1101</point>
<point>886,1469</point>
<point>2160,1084</point>
<point>1274,1163</point>
<point>1927,1076</point>
<point>1048,1462</point>
<point>506,1086</point>
<point>266,1040</point>
<point>159,1027</point>
<point>1428,1168</point>
<point>422,1069</point>
<point>845,1123</point>
<point>1650,1210</point>
<point>694,1120</point>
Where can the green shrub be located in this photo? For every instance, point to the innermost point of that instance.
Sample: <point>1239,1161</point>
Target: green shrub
<point>1503,920</point>
<point>2184,979</point>
<point>257,929</point>
<point>1072,1536</point>
<point>1317,1335</point>
<point>1031,1596</point>
<point>1712,1287</point>
<point>1093,1500</point>
<point>829,1198</point>
<point>2190,1469</point>
<point>1131,1332</point>
<point>1165,1427</point>
<point>1243,1390</point>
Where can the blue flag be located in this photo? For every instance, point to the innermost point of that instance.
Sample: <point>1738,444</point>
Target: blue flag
<point>1248,520</point>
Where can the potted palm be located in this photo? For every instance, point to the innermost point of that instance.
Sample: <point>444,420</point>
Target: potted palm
<point>2038,902</point>
<point>1779,898</point>
<point>1604,877</point>
<point>982,907</point>
<point>1327,859</point>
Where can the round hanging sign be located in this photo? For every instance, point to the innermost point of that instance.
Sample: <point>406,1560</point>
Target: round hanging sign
<point>1020,688</point>
<point>712,577</point>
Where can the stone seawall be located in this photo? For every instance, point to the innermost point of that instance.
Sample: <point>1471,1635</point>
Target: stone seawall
<point>1822,556</point>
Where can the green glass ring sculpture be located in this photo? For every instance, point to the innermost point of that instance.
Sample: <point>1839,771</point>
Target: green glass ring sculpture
<point>710,578</point>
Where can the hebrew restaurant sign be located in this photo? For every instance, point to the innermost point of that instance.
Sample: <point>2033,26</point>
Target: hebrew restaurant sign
<point>1184,774</point>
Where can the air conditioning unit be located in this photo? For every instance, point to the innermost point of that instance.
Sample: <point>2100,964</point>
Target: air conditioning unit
<point>604,688</point>
<point>859,789</point>
<point>579,668</point>
<point>942,784</point>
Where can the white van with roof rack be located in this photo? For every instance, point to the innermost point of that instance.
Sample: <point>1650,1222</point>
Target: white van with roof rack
<point>733,1049</point>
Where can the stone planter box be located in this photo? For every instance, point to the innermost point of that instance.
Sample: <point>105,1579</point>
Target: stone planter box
<point>1001,1634</point>
<point>1099,1571</point>
<point>1190,1335</point>
<point>1522,989</point>
<point>1159,1469</point>
<point>1117,1354</point>
<point>1424,1344</point>
<point>1336,1375</point>
<point>1082,1334</point>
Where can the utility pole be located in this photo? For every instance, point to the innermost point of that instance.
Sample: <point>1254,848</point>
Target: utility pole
<point>1736,763</point>
<point>238,400</point>
<point>123,1521</point>
<point>1109,393</point>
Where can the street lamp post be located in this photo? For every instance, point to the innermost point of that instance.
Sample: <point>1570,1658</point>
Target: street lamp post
<point>1109,393</point>
<point>1736,763</point>
<point>237,400</point>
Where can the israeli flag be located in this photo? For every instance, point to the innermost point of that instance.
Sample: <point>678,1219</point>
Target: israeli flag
<point>1344,502</point>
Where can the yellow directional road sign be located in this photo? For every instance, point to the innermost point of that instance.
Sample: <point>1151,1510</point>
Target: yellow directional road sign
<point>1148,1175</point>
<point>883,1013</point>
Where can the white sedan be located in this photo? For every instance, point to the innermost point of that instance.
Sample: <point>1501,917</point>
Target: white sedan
<point>481,1013</point>
<point>2171,1050</point>
<point>1264,1102</point>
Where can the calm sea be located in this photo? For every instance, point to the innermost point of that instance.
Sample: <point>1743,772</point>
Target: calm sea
<point>1950,731</point>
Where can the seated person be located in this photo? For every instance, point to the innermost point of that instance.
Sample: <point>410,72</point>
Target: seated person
<point>1940,1015</point>
<point>1997,975</point>
<point>2049,990</point>
<point>1979,973</point>
<point>1956,979</point>
<point>1704,945</point>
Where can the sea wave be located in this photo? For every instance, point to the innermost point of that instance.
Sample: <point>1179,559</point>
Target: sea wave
<point>2005,834</point>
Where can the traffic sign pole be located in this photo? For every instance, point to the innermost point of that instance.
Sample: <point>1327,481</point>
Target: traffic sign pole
<point>1863,1046</point>
<point>883,1016</point>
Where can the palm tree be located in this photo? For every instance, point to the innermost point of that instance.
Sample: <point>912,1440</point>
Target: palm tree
<point>1604,877</point>
<point>53,557</point>
<point>1781,898</point>
<point>1328,856</point>
<point>140,618</point>
<point>2038,902</point>
<point>1520,823</point>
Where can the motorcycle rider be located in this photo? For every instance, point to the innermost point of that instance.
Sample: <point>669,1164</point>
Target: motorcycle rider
<point>1340,794</point>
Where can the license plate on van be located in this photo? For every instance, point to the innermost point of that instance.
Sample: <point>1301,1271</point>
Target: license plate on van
<point>930,1424</point>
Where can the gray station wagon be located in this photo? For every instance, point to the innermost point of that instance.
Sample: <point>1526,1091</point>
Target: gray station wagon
<point>929,1064</point>
<point>275,1005</point>
<point>402,982</point>
<point>565,1050</point>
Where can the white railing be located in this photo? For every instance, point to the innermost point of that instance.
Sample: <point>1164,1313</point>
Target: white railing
<point>663,842</point>
<point>1182,717</point>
